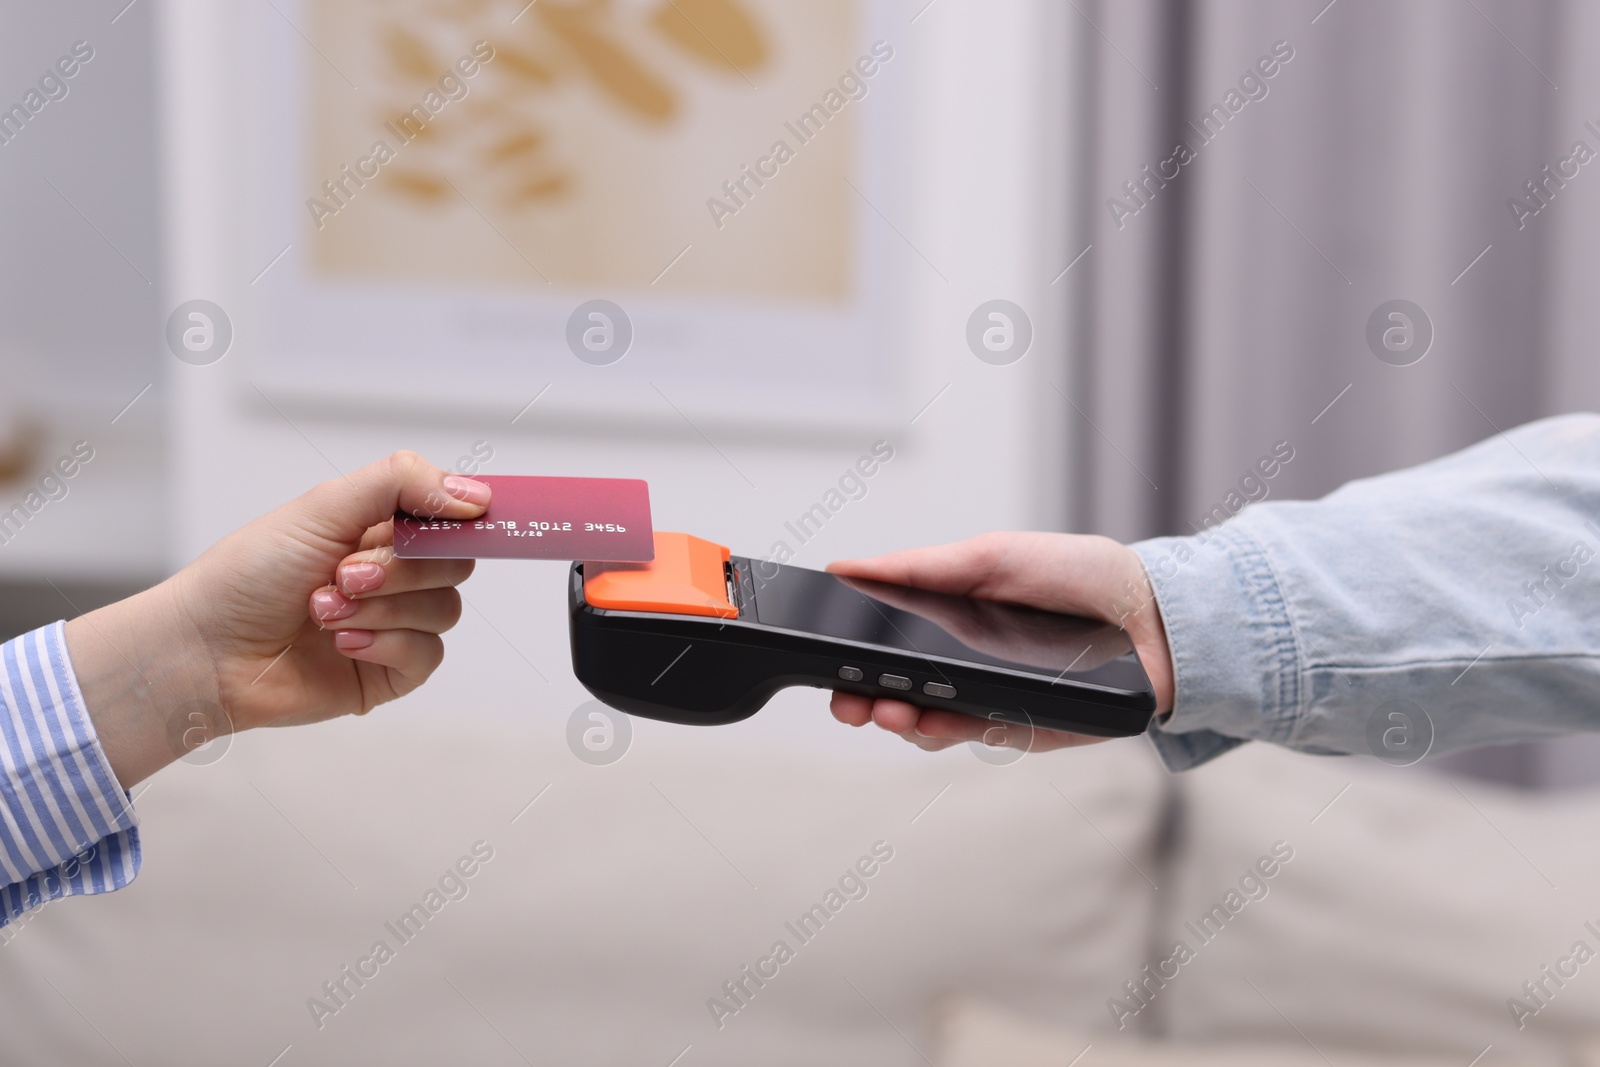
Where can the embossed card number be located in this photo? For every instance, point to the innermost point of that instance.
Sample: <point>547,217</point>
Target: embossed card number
<point>540,518</point>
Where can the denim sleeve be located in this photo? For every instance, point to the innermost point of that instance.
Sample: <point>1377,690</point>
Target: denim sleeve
<point>1445,606</point>
<point>66,826</point>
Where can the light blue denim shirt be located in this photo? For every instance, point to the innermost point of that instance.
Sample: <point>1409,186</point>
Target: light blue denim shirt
<point>1466,589</point>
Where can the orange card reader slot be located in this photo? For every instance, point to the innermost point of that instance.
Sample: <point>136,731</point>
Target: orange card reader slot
<point>687,577</point>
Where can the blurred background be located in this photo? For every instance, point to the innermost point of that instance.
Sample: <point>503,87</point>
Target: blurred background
<point>1174,315</point>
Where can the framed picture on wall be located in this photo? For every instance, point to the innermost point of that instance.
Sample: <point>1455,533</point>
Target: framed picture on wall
<point>638,209</point>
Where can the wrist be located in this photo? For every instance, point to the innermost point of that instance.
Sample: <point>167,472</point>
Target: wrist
<point>1148,632</point>
<point>148,687</point>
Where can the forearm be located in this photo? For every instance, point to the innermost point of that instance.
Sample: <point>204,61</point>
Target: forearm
<point>148,687</point>
<point>1298,622</point>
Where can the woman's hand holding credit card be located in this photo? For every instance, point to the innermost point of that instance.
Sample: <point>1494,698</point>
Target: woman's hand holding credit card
<point>303,615</point>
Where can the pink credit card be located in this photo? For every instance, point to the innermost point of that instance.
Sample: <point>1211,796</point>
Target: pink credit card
<point>601,519</point>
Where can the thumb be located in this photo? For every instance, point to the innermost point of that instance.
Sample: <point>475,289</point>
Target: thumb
<point>963,567</point>
<point>1073,573</point>
<point>342,509</point>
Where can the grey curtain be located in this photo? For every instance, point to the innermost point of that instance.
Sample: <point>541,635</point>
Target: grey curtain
<point>1223,303</point>
<point>1229,309</point>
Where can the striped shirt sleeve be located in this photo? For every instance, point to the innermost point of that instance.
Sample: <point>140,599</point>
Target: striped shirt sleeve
<point>66,826</point>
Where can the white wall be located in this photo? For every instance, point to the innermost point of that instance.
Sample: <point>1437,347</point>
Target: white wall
<point>80,269</point>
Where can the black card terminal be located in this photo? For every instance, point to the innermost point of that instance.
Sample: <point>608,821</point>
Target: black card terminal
<point>700,636</point>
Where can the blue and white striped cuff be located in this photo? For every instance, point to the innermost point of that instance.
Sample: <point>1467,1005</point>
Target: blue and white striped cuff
<point>66,826</point>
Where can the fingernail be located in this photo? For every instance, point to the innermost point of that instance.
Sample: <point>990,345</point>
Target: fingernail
<point>352,640</point>
<point>327,605</point>
<point>360,578</point>
<point>467,489</point>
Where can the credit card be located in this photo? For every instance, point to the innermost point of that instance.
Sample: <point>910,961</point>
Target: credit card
<point>601,519</point>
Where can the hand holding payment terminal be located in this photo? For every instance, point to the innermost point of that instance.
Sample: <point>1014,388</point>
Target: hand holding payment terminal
<point>700,636</point>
